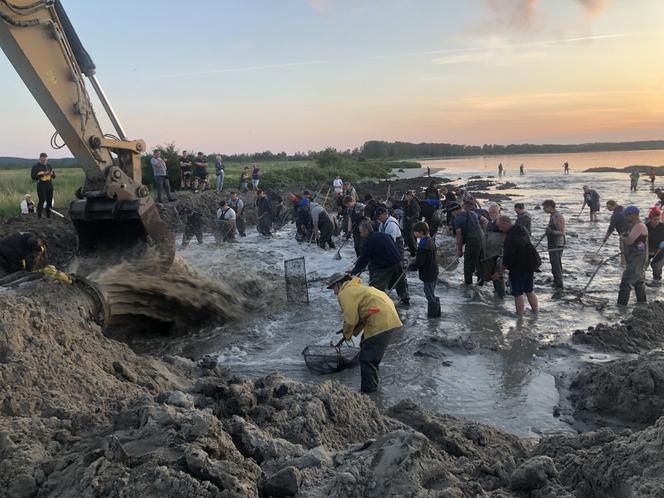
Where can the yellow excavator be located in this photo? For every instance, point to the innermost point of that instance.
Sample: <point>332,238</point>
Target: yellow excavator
<point>114,210</point>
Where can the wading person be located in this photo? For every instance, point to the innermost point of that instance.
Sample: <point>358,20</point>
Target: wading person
<point>384,261</point>
<point>390,226</point>
<point>410,217</point>
<point>44,175</point>
<point>369,311</point>
<point>193,226</point>
<point>520,258</point>
<point>490,266</point>
<point>303,223</point>
<point>264,206</point>
<point>523,218</point>
<point>591,199</point>
<point>226,219</point>
<point>469,237</point>
<point>655,246</point>
<point>237,205</point>
<point>521,171</point>
<point>354,216</point>
<point>555,237</point>
<point>21,251</point>
<point>349,190</point>
<point>427,267</point>
<point>635,242</point>
<point>219,171</point>
<point>566,168</point>
<point>633,181</point>
<point>617,223</point>
<point>322,225</point>
<point>160,173</point>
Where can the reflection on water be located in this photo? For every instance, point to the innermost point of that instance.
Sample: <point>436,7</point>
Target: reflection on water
<point>578,162</point>
<point>503,381</point>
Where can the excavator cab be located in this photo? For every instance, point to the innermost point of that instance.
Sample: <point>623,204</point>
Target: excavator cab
<point>114,211</point>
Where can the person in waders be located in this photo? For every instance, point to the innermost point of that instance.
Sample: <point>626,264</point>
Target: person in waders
<point>390,225</point>
<point>555,237</point>
<point>655,246</point>
<point>354,216</point>
<point>369,311</point>
<point>635,241</point>
<point>427,267</point>
<point>469,238</point>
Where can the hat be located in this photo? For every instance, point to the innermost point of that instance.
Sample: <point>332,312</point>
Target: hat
<point>336,278</point>
<point>630,210</point>
<point>380,210</point>
<point>304,202</point>
<point>452,207</point>
<point>655,211</point>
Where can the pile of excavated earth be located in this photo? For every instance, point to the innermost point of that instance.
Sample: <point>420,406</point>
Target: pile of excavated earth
<point>81,414</point>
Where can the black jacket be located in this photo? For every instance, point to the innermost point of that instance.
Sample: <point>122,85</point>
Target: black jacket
<point>40,168</point>
<point>425,261</point>
<point>412,211</point>
<point>517,250</point>
<point>16,251</point>
<point>378,249</point>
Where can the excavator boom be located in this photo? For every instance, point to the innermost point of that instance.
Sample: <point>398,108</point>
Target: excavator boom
<point>115,211</point>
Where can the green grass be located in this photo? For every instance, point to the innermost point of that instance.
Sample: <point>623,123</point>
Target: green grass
<point>15,183</point>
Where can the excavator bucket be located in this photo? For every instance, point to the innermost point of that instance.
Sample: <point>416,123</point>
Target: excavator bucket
<point>112,227</point>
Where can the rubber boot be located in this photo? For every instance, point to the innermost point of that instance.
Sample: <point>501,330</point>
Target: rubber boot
<point>623,295</point>
<point>640,290</point>
<point>433,309</point>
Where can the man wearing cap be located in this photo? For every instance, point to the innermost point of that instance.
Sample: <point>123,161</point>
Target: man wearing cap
<point>384,260</point>
<point>635,241</point>
<point>655,246</point>
<point>591,199</point>
<point>390,226</point>
<point>469,236</point>
<point>371,311</point>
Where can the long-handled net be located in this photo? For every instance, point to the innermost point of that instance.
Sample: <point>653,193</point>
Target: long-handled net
<point>323,360</point>
<point>297,289</point>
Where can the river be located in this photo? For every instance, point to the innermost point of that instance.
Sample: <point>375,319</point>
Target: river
<point>506,378</point>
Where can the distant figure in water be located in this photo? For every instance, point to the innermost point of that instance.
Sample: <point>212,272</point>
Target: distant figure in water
<point>566,168</point>
<point>500,169</point>
<point>428,171</point>
<point>521,171</point>
<point>652,176</point>
<point>633,181</point>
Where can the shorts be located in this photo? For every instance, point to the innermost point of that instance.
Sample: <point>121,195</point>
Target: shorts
<point>521,283</point>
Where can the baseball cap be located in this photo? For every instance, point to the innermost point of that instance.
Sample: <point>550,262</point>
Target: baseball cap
<point>631,209</point>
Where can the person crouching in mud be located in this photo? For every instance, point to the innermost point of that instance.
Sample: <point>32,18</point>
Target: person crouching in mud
<point>21,251</point>
<point>371,311</point>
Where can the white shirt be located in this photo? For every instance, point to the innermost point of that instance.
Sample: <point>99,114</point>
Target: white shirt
<point>229,214</point>
<point>338,184</point>
<point>391,228</point>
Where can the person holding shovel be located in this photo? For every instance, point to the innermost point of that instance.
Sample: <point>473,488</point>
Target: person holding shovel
<point>369,311</point>
<point>655,246</point>
<point>635,241</point>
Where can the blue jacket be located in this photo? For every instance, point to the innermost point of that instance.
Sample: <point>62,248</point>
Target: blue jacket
<point>378,249</point>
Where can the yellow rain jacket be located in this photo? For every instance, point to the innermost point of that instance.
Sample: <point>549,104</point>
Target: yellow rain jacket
<point>362,304</point>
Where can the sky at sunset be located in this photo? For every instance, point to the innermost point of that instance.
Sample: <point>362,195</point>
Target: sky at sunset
<point>252,75</point>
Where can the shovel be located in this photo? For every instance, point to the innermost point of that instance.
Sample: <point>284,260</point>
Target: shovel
<point>540,240</point>
<point>337,256</point>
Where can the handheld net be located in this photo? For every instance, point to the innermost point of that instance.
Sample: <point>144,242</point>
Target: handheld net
<point>297,290</point>
<point>324,360</point>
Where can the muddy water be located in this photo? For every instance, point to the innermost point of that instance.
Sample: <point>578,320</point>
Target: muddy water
<point>501,377</point>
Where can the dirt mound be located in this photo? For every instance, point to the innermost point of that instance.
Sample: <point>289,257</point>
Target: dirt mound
<point>439,347</point>
<point>642,331</point>
<point>625,392</point>
<point>609,464</point>
<point>59,235</point>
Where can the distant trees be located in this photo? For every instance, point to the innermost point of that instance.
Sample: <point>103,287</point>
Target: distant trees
<point>377,149</point>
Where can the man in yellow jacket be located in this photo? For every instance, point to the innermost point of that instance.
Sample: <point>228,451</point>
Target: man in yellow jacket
<point>369,310</point>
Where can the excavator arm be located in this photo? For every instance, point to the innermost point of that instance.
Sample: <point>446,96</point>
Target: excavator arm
<point>114,210</point>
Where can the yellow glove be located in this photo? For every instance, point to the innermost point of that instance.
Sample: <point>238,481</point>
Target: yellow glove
<point>53,272</point>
